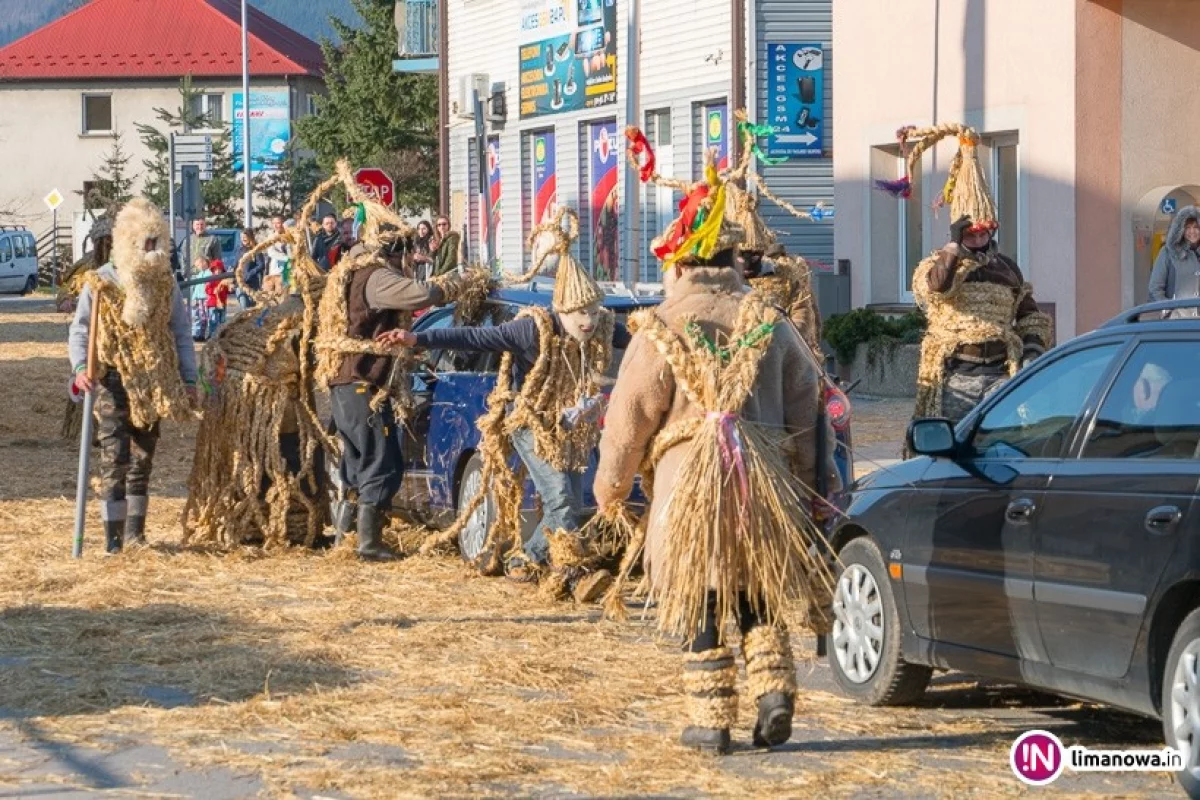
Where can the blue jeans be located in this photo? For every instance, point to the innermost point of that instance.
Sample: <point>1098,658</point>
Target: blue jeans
<point>561,493</point>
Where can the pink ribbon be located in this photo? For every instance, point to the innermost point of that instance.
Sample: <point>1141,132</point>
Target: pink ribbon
<point>733,458</point>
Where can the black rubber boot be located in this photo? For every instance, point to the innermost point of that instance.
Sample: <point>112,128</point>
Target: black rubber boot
<point>135,531</point>
<point>706,740</point>
<point>114,535</point>
<point>370,536</point>
<point>344,514</point>
<point>774,725</point>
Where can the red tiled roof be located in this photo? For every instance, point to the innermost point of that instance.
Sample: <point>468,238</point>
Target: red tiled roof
<point>158,39</point>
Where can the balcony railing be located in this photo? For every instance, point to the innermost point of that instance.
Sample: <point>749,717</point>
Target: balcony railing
<point>417,28</point>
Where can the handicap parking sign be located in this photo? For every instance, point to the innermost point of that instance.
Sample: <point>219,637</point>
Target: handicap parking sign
<point>1169,205</point>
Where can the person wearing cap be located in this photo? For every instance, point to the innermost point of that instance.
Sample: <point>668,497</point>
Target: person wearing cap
<point>373,288</point>
<point>716,405</point>
<point>983,321</point>
<point>549,407</point>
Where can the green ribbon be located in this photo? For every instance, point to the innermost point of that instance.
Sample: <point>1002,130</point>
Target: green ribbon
<point>725,354</point>
<point>760,131</point>
<point>360,213</point>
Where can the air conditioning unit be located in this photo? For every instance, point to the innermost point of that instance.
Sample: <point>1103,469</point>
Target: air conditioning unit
<point>467,86</point>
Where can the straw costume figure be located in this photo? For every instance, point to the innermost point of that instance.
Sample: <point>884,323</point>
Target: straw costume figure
<point>716,406</point>
<point>546,408</point>
<point>68,296</point>
<point>147,363</point>
<point>983,321</point>
<point>371,292</point>
<point>259,472</point>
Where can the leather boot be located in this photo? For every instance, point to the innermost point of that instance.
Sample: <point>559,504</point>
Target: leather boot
<point>344,513</point>
<point>135,531</point>
<point>370,536</point>
<point>771,676</point>
<point>709,682</point>
<point>114,535</point>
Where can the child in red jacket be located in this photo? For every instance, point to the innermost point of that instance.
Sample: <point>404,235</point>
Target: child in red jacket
<point>217,297</point>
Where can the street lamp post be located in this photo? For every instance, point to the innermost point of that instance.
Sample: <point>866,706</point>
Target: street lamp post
<point>246,172</point>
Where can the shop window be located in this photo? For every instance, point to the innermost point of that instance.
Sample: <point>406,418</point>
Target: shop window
<point>97,113</point>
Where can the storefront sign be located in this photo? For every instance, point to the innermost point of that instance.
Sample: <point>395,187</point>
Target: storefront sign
<point>494,190</point>
<point>545,178</point>
<point>567,55</point>
<point>796,95</point>
<point>270,129</point>
<point>602,187</point>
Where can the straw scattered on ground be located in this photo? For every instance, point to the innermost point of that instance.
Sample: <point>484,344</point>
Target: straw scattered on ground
<point>319,674</point>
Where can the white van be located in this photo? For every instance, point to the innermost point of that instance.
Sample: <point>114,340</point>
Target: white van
<point>18,260</point>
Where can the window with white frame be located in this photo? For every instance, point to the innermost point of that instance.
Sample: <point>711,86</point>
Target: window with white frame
<point>911,233</point>
<point>999,155</point>
<point>209,109</point>
<point>97,113</point>
<point>658,203</point>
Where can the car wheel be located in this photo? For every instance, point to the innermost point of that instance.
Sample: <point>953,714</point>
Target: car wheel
<point>864,647</point>
<point>474,535</point>
<point>1181,701</point>
<point>30,286</point>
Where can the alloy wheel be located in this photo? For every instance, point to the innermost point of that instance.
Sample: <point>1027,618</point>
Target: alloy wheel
<point>858,624</point>
<point>1185,707</point>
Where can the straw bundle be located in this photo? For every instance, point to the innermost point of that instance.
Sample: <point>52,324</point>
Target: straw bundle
<point>737,517</point>
<point>966,188</point>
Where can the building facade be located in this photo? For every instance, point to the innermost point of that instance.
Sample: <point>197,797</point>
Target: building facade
<point>570,83</point>
<point>1086,118</point>
<point>69,87</point>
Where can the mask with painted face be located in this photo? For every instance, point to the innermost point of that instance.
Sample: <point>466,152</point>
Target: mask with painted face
<point>581,325</point>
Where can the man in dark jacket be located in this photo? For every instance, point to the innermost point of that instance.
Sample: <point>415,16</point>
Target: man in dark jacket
<point>380,298</point>
<point>328,245</point>
<point>1176,271</point>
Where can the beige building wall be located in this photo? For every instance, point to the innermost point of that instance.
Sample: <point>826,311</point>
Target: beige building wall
<point>43,146</point>
<point>981,62</point>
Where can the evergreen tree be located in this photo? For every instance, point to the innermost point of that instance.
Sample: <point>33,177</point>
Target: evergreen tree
<point>372,115</point>
<point>112,183</point>
<point>223,191</point>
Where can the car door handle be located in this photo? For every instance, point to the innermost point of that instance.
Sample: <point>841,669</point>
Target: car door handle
<point>1020,510</point>
<point>1163,519</point>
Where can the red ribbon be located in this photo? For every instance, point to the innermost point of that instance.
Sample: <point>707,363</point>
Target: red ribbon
<point>638,147</point>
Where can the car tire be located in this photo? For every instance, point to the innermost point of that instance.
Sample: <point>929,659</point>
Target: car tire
<point>1181,700</point>
<point>474,535</point>
<point>30,286</point>
<point>866,628</point>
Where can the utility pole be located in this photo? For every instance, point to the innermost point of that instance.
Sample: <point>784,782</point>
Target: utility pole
<point>246,171</point>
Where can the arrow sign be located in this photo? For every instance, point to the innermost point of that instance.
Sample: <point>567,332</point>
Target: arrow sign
<point>805,138</point>
<point>820,212</point>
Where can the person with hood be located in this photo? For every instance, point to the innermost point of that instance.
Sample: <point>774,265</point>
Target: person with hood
<point>1176,271</point>
<point>147,363</point>
<point>546,406</point>
<point>984,324</point>
<point>716,405</point>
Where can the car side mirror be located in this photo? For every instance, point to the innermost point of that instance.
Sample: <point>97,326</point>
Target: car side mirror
<point>932,437</point>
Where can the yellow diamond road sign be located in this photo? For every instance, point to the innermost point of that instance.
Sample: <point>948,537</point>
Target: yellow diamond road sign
<point>54,199</point>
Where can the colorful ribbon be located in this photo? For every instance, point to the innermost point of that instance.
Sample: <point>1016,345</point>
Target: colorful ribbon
<point>747,130</point>
<point>638,147</point>
<point>733,458</point>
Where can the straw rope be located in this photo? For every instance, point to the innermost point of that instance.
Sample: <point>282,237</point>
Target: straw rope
<point>769,664</point>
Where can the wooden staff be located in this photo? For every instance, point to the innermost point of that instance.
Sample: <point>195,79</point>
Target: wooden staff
<point>85,436</point>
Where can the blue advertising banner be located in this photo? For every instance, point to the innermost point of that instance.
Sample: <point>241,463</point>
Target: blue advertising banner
<point>495,189</point>
<point>795,99</point>
<point>270,128</point>
<point>567,55</point>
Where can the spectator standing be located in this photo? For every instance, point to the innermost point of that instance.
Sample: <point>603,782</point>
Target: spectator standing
<point>279,258</point>
<point>445,255</point>
<point>328,246</point>
<point>254,271</point>
<point>199,244</point>
<point>423,246</point>
<point>198,299</point>
<point>1176,273</point>
<point>216,298</point>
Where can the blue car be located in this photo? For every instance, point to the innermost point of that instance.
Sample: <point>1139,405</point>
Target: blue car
<point>442,466</point>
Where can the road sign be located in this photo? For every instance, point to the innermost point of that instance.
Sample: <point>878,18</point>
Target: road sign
<point>193,149</point>
<point>1169,205</point>
<point>377,183</point>
<point>54,199</point>
<point>796,99</point>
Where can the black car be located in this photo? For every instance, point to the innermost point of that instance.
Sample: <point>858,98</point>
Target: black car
<point>1051,539</point>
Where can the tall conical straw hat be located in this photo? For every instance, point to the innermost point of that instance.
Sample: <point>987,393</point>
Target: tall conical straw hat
<point>741,207</point>
<point>966,188</point>
<point>550,243</point>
